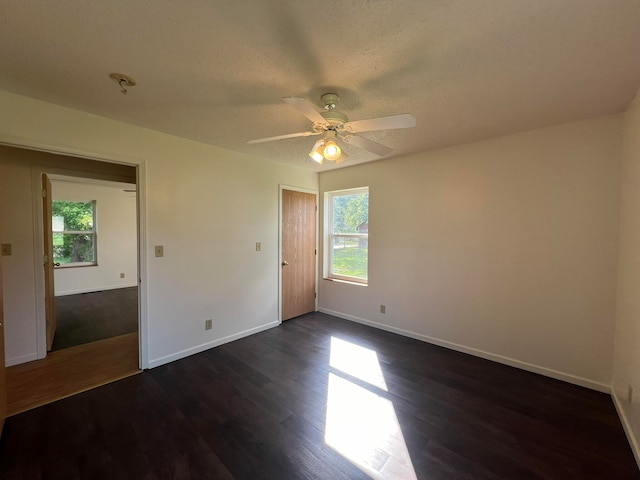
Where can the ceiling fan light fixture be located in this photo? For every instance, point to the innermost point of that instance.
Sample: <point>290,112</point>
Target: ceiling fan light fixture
<point>333,124</point>
<point>331,150</point>
<point>316,157</point>
<point>316,153</point>
<point>343,156</point>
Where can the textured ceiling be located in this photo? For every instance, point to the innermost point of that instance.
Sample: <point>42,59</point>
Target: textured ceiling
<point>216,72</point>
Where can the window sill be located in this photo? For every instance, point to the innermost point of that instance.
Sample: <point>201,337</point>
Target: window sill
<point>77,265</point>
<point>349,282</point>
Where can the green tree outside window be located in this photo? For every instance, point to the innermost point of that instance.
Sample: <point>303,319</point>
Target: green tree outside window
<point>74,232</point>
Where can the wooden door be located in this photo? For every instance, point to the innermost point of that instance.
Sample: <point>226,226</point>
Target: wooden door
<point>49,285</point>
<point>3,382</point>
<point>298,253</point>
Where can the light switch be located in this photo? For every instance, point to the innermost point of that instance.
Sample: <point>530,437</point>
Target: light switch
<point>159,250</point>
<point>6,249</point>
<point>258,246</point>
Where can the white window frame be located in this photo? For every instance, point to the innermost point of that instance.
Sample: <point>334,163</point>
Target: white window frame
<point>93,232</point>
<point>329,235</point>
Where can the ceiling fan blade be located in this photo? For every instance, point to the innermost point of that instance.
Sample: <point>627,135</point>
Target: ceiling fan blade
<point>405,120</point>
<point>282,137</point>
<point>367,144</point>
<point>306,108</point>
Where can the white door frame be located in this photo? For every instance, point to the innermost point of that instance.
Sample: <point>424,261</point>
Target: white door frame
<point>282,187</point>
<point>143,328</point>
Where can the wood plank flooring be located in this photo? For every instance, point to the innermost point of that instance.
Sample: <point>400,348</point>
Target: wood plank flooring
<point>70,371</point>
<point>323,398</point>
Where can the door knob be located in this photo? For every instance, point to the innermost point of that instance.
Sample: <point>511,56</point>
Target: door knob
<point>285,263</point>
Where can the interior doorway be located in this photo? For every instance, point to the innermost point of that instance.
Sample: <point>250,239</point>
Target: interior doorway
<point>90,239</point>
<point>35,377</point>
<point>298,247</point>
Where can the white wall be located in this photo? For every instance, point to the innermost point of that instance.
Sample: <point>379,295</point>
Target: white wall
<point>116,238</point>
<point>16,228</point>
<point>206,205</point>
<point>504,248</point>
<point>627,339</point>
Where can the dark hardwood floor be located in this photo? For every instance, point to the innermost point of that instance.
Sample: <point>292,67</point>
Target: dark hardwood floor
<point>89,317</point>
<point>310,400</point>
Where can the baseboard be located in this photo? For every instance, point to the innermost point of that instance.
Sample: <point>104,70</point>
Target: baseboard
<point>512,362</point>
<point>627,427</point>
<point>10,362</point>
<point>94,289</point>
<point>206,346</point>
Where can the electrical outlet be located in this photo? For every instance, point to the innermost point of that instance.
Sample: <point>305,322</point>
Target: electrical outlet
<point>383,309</point>
<point>208,324</point>
<point>122,275</point>
<point>159,249</point>
<point>630,394</point>
<point>258,246</point>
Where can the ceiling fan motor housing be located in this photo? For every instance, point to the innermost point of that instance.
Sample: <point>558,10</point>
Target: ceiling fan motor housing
<point>330,100</point>
<point>333,117</point>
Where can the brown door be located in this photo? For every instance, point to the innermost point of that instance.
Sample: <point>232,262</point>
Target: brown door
<point>49,286</point>
<point>3,383</point>
<point>298,253</point>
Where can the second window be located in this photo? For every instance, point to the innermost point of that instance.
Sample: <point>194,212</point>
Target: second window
<point>347,235</point>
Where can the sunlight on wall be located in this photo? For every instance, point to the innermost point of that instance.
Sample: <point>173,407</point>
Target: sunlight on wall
<point>361,422</point>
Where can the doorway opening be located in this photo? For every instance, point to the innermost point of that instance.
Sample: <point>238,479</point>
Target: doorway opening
<point>94,253</point>
<point>35,377</point>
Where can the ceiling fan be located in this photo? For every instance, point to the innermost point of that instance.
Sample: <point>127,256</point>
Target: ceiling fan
<point>334,125</point>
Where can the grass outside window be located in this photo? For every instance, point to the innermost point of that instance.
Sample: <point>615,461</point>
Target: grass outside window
<point>347,235</point>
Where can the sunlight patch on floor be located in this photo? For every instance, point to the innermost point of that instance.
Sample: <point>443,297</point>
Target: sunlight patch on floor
<point>359,362</point>
<point>361,423</point>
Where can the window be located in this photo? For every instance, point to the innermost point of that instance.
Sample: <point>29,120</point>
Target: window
<point>74,233</point>
<point>347,234</point>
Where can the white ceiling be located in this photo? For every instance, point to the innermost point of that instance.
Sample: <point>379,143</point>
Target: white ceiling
<point>216,71</point>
